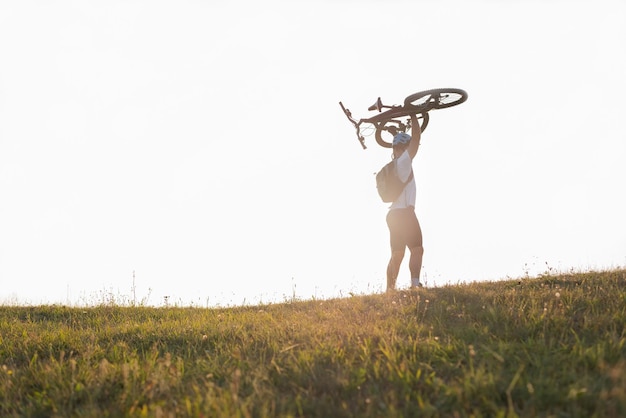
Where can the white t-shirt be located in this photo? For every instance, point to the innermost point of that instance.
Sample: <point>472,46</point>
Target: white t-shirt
<point>408,195</point>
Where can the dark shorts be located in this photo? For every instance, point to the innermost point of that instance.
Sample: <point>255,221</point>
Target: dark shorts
<point>404,229</point>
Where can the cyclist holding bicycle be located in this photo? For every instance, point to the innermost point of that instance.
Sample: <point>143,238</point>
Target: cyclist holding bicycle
<point>404,228</point>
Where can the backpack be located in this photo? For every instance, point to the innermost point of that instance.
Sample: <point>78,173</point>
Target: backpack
<point>389,184</point>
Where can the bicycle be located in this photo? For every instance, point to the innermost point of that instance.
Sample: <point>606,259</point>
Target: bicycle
<point>391,121</point>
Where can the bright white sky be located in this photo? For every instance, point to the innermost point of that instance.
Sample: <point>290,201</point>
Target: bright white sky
<point>200,144</point>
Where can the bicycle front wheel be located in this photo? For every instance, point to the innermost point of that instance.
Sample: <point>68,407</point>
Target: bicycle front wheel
<point>385,131</point>
<point>426,100</point>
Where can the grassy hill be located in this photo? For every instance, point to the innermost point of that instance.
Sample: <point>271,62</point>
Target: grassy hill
<point>546,346</point>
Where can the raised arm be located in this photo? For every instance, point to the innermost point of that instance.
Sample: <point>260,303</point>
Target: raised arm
<point>416,135</point>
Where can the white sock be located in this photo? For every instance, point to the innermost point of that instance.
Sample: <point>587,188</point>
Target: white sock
<point>415,281</point>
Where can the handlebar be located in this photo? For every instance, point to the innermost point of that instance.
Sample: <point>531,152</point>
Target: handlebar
<point>355,123</point>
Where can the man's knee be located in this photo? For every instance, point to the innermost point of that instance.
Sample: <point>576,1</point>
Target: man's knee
<point>417,250</point>
<point>397,255</point>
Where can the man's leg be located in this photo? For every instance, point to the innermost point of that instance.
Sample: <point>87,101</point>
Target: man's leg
<point>417,251</point>
<point>415,265</point>
<point>396,242</point>
<point>393,268</point>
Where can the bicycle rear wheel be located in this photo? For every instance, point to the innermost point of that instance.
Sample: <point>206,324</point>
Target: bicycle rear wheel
<point>426,100</point>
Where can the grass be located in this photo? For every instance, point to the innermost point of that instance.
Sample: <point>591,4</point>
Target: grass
<point>548,346</point>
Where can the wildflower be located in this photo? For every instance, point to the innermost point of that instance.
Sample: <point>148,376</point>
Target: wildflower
<point>558,295</point>
<point>7,370</point>
<point>472,352</point>
<point>204,337</point>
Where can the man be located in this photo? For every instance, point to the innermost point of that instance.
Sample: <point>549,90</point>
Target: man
<point>404,228</point>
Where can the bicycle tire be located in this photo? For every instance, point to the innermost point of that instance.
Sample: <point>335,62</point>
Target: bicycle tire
<point>380,127</point>
<point>427,100</point>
